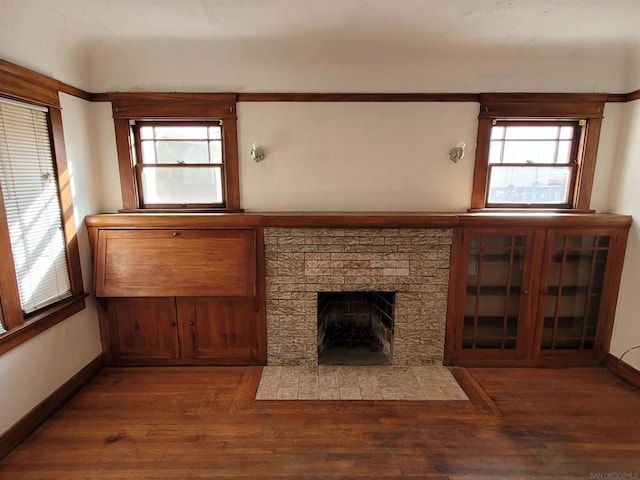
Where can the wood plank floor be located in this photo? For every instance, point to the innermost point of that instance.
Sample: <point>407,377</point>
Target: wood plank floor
<point>198,423</point>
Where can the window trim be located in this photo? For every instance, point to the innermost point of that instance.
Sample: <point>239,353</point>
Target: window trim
<point>540,107</point>
<point>20,327</point>
<point>181,107</point>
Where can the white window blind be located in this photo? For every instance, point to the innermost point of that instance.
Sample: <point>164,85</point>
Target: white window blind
<point>32,205</point>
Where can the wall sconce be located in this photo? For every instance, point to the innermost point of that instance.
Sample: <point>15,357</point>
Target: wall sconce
<point>457,152</point>
<point>257,153</point>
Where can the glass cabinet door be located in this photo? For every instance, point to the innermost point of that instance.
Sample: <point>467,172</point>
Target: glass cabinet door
<point>574,281</point>
<point>494,287</point>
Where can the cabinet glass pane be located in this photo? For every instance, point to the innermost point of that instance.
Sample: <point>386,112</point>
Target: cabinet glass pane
<point>494,280</point>
<point>574,286</point>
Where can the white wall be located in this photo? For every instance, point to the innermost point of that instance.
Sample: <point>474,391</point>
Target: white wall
<point>606,160</point>
<point>35,369</point>
<point>356,156</point>
<point>381,61</point>
<point>353,156</point>
<point>625,198</point>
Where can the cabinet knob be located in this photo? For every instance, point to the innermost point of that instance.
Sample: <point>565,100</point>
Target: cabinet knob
<point>176,234</point>
<point>192,323</point>
<point>526,292</point>
<point>173,324</point>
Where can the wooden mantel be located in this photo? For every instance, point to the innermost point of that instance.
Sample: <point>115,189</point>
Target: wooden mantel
<point>354,220</point>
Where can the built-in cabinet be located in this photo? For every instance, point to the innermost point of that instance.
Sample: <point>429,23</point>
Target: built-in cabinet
<point>183,330</point>
<point>533,296</point>
<point>182,295</point>
<point>524,289</point>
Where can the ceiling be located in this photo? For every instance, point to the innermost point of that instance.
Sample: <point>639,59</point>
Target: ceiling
<point>323,45</point>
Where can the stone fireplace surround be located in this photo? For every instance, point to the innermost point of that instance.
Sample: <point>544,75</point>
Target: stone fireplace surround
<point>300,262</point>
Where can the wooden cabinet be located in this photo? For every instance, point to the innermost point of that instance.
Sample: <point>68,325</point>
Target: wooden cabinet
<point>150,263</point>
<point>181,296</point>
<point>182,330</point>
<point>223,330</point>
<point>532,296</point>
<point>144,329</point>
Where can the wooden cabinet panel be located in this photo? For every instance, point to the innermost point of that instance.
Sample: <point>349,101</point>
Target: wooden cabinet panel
<point>183,331</point>
<point>532,296</point>
<point>145,328</point>
<point>224,330</point>
<point>578,281</point>
<point>496,292</point>
<point>181,262</point>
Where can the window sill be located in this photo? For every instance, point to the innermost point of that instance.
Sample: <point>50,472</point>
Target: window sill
<point>181,210</point>
<point>42,321</point>
<point>528,210</point>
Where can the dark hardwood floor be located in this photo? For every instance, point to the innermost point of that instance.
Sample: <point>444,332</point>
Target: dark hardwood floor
<point>197,423</point>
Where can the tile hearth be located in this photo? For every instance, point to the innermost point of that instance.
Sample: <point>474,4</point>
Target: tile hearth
<point>328,382</point>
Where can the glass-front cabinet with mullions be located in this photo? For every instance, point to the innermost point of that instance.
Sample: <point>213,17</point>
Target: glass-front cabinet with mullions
<point>571,293</point>
<point>494,283</point>
<point>532,296</point>
<point>496,288</point>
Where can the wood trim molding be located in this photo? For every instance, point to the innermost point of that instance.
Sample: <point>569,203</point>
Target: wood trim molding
<point>50,405</point>
<point>635,95</point>
<point>622,370</point>
<point>160,105</point>
<point>47,318</point>
<point>354,220</point>
<point>66,200</point>
<point>616,98</point>
<point>231,172</point>
<point>33,86</point>
<point>541,105</point>
<point>125,166</point>
<point>75,91</point>
<point>587,165</point>
<point>358,97</point>
<point>48,87</point>
<point>396,97</point>
<point>25,84</point>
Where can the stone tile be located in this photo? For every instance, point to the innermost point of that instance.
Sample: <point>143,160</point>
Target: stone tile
<point>435,393</point>
<point>392,393</point>
<point>329,394</point>
<point>388,380</point>
<point>267,393</point>
<point>358,382</point>
<point>371,393</point>
<point>455,394</point>
<point>287,393</point>
<point>350,393</point>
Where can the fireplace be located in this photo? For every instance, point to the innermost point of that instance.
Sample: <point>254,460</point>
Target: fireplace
<point>355,328</point>
<point>411,263</point>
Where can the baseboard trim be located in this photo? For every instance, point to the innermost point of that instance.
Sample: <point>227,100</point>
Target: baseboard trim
<point>622,370</point>
<point>50,405</point>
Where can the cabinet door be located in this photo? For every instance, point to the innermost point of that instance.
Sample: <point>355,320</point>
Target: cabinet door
<point>223,330</point>
<point>492,308</point>
<point>180,262</point>
<point>144,328</point>
<point>572,311</point>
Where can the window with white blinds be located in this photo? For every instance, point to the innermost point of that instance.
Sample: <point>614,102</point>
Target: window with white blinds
<point>30,193</point>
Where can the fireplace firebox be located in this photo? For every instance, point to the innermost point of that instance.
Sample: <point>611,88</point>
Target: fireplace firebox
<point>355,328</point>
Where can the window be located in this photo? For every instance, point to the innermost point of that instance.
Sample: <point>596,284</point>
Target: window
<point>177,151</point>
<point>40,281</point>
<point>536,151</point>
<point>532,163</point>
<point>179,164</point>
